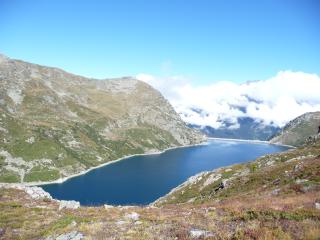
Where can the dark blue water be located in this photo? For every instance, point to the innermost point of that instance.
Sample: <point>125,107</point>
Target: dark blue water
<point>143,179</point>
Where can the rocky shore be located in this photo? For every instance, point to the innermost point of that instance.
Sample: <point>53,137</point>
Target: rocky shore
<point>38,193</point>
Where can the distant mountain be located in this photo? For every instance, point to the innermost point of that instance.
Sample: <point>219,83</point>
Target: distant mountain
<point>248,129</point>
<point>54,124</point>
<point>297,131</point>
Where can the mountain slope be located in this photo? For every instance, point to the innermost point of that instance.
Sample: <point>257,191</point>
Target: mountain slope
<point>266,175</point>
<point>54,124</point>
<point>273,197</point>
<point>297,131</point>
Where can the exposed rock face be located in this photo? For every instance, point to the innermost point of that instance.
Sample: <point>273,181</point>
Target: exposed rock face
<point>54,124</point>
<point>297,131</point>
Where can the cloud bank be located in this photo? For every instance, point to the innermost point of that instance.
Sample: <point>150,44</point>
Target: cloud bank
<point>274,101</point>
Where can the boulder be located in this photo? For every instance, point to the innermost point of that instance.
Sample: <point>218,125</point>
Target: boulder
<point>198,233</point>
<point>132,216</point>
<point>68,204</point>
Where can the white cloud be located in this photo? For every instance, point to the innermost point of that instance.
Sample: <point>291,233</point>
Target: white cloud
<point>168,86</point>
<point>145,77</point>
<point>273,101</point>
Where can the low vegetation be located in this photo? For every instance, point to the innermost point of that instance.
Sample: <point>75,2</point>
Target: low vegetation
<point>299,129</point>
<point>54,124</point>
<point>273,197</point>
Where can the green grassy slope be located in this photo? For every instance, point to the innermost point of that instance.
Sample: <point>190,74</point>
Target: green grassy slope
<point>273,197</point>
<point>54,124</point>
<point>296,132</point>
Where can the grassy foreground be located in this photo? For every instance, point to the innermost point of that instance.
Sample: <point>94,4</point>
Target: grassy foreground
<point>273,197</point>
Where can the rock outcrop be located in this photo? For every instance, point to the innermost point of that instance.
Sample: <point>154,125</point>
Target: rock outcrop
<point>33,191</point>
<point>37,193</point>
<point>68,204</point>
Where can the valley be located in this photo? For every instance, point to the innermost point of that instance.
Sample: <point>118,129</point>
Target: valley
<point>159,120</point>
<point>273,197</point>
<point>55,125</point>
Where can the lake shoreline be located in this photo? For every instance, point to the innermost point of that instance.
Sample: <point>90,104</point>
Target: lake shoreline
<point>62,180</point>
<point>251,141</point>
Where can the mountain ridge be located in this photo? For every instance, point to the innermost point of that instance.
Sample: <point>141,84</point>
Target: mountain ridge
<point>54,124</point>
<point>298,130</point>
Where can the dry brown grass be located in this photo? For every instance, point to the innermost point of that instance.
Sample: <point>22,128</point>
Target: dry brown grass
<point>254,213</point>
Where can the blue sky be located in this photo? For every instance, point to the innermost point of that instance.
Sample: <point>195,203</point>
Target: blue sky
<point>204,40</point>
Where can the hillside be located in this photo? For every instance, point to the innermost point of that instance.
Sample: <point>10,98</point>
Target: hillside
<point>273,197</point>
<point>297,131</point>
<point>54,124</point>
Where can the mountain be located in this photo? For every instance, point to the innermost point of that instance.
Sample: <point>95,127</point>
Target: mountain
<point>54,124</point>
<point>247,128</point>
<point>297,131</point>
